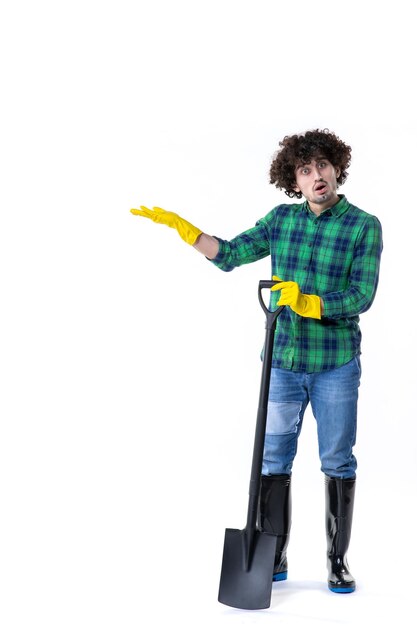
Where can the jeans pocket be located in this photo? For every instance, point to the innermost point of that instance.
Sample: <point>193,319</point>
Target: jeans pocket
<point>283,417</point>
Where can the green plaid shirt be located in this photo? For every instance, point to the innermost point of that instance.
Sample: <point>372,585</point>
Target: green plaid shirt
<point>335,256</point>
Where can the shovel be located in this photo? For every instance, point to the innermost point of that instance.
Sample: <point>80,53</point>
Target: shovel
<point>249,554</point>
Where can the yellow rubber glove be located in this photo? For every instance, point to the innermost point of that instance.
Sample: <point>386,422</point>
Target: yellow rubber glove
<point>186,231</point>
<point>301,303</point>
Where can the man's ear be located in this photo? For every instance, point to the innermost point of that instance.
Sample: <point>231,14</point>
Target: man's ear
<point>296,188</point>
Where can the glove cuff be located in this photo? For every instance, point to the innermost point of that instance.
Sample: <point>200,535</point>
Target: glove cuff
<point>194,235</point>
<point>188,232</point>
<point>313,306</point>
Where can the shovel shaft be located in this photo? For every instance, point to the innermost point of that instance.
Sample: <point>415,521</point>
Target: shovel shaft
<point>258,446</point>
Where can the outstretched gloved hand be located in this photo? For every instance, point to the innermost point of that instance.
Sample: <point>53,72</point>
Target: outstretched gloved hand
<point>306,305</point>
<point>186,231</point>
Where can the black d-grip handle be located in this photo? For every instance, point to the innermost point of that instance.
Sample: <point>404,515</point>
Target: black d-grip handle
<point>267,284</point>
<point>271,316</point>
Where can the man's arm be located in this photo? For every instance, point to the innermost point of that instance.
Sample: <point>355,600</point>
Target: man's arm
<point>363,280</point>
<point>207,245</point>
<point>247,247</point>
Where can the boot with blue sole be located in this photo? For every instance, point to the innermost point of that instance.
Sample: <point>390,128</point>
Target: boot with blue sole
<point>275,517</point>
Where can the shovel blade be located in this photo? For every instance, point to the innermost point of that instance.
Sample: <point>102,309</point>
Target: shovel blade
<point>246,580</point>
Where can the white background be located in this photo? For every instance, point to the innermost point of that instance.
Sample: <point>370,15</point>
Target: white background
<point>129,364</point>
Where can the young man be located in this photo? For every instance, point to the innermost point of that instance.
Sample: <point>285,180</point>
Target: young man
<point>326,253</point>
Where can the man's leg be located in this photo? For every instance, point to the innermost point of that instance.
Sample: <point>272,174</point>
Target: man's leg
<point>334,397</point>
<point>286,406</point>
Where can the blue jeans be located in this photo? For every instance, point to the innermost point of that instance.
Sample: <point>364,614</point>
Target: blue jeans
<point>333,396</point>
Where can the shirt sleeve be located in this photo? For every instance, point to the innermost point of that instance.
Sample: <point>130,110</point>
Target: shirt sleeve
<point>363,280</point>
<point>249,246</point>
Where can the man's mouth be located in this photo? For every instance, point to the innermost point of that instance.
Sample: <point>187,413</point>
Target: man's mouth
<point>320,188</point>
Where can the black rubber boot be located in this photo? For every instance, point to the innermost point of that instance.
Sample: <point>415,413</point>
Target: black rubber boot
<point>340,496</point>
<point>275,517</point>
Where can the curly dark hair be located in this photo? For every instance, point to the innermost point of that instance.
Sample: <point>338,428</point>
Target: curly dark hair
<point>296,149</point>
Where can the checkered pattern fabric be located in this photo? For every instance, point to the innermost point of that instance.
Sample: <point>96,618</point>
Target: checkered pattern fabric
<point>335,256</point>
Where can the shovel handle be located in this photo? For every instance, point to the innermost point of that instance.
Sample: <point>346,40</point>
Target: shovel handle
<point>271,316</point>
<point>267,284</point>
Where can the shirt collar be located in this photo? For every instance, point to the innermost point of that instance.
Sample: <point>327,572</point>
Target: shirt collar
<point>337,209</point>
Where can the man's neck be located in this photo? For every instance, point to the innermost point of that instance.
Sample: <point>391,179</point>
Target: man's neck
<point>318,209</point>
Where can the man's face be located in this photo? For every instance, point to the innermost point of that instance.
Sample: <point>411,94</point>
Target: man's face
<point>317,181</point>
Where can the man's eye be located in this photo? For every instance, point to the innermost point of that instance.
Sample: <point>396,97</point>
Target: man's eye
<point>305,170</point>
<point>322,164</point>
